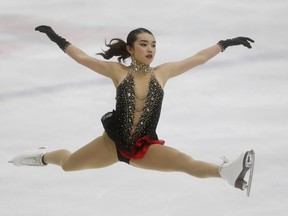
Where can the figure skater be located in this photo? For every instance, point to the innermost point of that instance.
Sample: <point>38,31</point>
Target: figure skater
<point>130,130</point>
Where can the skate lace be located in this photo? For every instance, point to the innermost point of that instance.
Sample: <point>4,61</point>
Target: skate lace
<point>224,159</point>
<point>225,162</point>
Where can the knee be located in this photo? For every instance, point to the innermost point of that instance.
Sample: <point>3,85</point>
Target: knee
<point>70,165</point>
<point>183,162</point>
<point>66,166</point>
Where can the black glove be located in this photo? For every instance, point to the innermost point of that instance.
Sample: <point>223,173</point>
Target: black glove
<point>235,41</point>
<point>61,42</point>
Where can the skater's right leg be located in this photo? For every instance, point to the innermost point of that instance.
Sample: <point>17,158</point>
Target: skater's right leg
<point>99,153</point>
<point>57,157</point>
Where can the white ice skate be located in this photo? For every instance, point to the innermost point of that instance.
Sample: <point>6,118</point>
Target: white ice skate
<point>30,158</point>
<point>235,172</point>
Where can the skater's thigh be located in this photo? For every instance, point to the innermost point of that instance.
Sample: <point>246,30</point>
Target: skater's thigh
<point>162,158</point>
<point>99,153</point>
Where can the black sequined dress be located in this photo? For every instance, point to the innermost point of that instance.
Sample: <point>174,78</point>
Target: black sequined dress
<point>132,129</point>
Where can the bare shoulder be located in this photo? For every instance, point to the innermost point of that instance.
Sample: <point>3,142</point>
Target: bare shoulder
<point>119,72</point>
<point>162,73</point>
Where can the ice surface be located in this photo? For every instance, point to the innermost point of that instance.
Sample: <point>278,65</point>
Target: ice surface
<point>235,102</point>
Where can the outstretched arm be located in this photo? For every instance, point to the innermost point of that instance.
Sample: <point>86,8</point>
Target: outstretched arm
<point>173,69</point>
<point>101,67</point>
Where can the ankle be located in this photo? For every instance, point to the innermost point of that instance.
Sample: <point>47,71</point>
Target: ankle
<point>43,160</point>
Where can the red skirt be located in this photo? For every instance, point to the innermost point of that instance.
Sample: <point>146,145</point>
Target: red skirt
<point>140,147</point>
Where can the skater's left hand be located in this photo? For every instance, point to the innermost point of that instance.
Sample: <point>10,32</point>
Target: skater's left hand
<point>236,41</point>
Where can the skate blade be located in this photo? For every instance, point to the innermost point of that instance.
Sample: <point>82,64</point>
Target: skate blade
<point>250,163</point>
<point>251,172</point>
<point>248,167</point>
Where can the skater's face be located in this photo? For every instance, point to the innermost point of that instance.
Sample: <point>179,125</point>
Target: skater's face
<point>144,48</point>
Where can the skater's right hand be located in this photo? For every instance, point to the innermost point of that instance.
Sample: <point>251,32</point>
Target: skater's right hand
<point>48,31</point>
<point>61,42</point>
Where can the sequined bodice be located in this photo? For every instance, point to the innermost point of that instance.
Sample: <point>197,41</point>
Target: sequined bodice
<point>137,116</point>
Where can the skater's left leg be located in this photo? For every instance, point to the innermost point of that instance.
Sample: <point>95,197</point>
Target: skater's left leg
<point>164,158</point>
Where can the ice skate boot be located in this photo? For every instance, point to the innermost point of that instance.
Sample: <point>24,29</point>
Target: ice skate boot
<point>234,173</point>
<point>30,158</point>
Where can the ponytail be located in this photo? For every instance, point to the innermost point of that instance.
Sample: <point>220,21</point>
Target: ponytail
<point>117,47</point>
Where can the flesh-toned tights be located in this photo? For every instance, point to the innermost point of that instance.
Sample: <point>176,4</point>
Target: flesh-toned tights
<point>101,152</point>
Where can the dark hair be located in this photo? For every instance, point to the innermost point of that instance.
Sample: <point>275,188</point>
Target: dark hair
<point>118,47</point>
